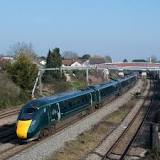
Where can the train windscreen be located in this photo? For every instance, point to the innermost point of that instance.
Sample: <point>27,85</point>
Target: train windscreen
<point>27,113</point>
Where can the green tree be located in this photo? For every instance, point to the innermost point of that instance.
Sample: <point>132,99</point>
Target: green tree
<point>108,59</point>
<point>54,60</point>
<point>139,60</point>
<point>23,72</point>
<point>86,56</point>
<point>125,60</point>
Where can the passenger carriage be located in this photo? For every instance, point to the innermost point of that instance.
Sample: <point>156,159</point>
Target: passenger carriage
<point>44,112</point>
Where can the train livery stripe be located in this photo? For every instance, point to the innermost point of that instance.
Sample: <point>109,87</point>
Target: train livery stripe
<point>22,128</point>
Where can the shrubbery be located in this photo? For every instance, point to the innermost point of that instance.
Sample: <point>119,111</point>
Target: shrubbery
<point>23,72</point>
<point>10,93</point>
<point>17,80</point>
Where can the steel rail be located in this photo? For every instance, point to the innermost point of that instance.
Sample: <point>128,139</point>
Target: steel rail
<point>125,131</point>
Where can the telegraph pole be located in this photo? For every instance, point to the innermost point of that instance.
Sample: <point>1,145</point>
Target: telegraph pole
<point>40,83</point>
<point>87,75</point>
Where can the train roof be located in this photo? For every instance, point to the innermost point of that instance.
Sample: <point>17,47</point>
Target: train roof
<point>37,103</point>
<point>102,85</point>
<point>126,78</point>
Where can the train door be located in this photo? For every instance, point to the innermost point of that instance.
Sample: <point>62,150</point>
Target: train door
<point>98,96</point>
<point>55,112</point>
<point>91,99</point>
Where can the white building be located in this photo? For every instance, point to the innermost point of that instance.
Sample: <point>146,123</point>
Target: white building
<point>76,64</point>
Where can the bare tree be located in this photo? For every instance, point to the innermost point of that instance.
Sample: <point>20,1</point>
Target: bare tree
<point>97,59</point>
<point>23,48</point>
<point>108,59</point>
<point>70,55</point>
<point>153,59</point>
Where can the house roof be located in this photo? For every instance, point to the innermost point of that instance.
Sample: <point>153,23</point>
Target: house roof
<point>67,62</point>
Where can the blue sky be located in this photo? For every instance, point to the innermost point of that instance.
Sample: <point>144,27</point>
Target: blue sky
<point>119,28</point>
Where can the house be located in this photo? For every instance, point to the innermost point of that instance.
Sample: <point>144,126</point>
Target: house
<point>6,58</point>
<point>43,62</point>
<point>76,64</point>
<point>67,62</point>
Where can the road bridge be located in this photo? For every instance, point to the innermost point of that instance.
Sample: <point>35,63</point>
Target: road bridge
<point>141,66</point>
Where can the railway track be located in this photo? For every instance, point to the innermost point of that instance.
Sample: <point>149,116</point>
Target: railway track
<point>119,150</point>
<point>8,113</point>
<point>8,134</point>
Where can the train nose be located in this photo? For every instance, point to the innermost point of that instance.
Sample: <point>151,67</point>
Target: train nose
<point>22,128</point>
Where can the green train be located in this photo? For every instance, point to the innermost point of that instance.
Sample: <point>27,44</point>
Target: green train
<point>44,113</point>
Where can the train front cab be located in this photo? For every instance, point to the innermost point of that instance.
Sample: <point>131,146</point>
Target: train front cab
<point>28,123</point>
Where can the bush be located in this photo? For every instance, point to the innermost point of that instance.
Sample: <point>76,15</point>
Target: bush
<point>4,64</point>
<point>23,72</point>
<point>9,92</point>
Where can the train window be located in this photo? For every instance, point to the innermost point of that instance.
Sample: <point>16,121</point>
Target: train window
<point>86,98</point>
<point>29,110</point>
<point>74,101</point>
<point>53,106</point>
<point>83,100</point>
<point>103,92</point>
<point>61,106</point>
<point>27,113</point>
<point>93,97</point>
<point>70,104</point>
<point>64,106</point>
<point>80,100</point>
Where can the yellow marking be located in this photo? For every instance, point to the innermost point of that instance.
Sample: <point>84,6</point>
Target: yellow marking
<point>22,128</point>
